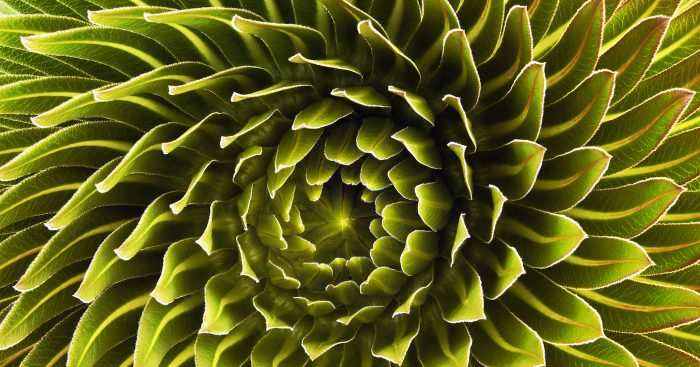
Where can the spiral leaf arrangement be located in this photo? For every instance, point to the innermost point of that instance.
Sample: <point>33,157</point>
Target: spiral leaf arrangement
<point>349,183</point>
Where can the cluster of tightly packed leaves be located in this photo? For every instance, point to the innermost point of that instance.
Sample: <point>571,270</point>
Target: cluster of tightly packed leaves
<point>349,183</point>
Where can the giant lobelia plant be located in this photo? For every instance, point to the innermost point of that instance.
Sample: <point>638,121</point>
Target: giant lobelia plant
<point>349,183</point>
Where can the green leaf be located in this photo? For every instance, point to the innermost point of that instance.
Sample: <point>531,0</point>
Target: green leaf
<point>497,264</point>
<point>325,334</point>
<point>159,225</point>
<point>364,96</point>
<point>232,349</point>
<point>75,242</point>
<point>651,352</point>
<point>295,145</point>
<point>223,221</point>
<point>634,307</point>
<point>163,326</point>
<point>686,208</point>
<point>483,21</point>
<point>456,74</point>
<point>418,104</point>
<point>110,319</point>
<point>681,337</point>
<point>383,281</point>
<point>321,114</point>
<point>565,180</point>
<point>514,52</point>
<point>501,339</point>
<point>518,115</point>
<point>571,121</point>
<point>541,238</point>
<point>631,56</point>
<point>40,305</point>
<point>512,167</point>
<point>19,250</point>
<point>434,204</point>
<point>281,347</point>
<point>283,40</point>
<point>457,290</point>
<point>628,15</point>
<point>107,269</point>
<point>557,315</point>
<point>574,57</point>
<point>37,95</point>
<point>87,144</point>
<point>420,146</point>
<point>389,63</point>
<point>341,144</point>
<point>374,137</point>
<point>16,140</point>
<point>625,211</point>
<point>127,52</point>
<point>420,252</point>
<point>599,262</point>
<point>406,175</point>
<point>676,159</point>
<point>453,340</point>
<point>156,81</point>
<point>228,302</point>
<point>671,247</point>
<point>136,189</point>
<point>42,193</point>
<point>241,78</point>
<point>680,41</point>
<point>598,353</point>
<point>278,308</point>
<point>333,64</point>
<point>394,335</point>
<point>141,156</point>
<point>484,212</point>
<point>401,218</point>
<point>52,348</point>
<point>635,134</point>
<point>186,268</point>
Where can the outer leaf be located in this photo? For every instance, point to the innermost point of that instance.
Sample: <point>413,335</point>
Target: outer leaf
<point>161,327</point>
<point>518,115</point>
<point>128,52</point>
<point>112,318</point>
<point>186,267</point>
<point>40,305</point>
<point>502,339</point>
<point>482,25</point>
<point>228,301</point>
<point>322,114</point>
<point>555,314</point>
<point>541,238</point>
<point>434,204</point>
<point>650,352</point>
<point>394,335</point>
<point>37,95</point>
<point>453,339</point>
<point>512,167</point>
<point>634,307</point>
<point>565,180</point>
<point>19,250</point>
<point>281,347</point>
<point>42,193</point>
<point>599,262</point>
<point>598,353</point>
<point>626,211</point>
<point>107,269</point>
<point>458,292</point>
<point>574,57</point>
<point>52,348</point>
<point>159,225</point>
<point>374,137</point>
<point>682,38</point>
<point>686,208</point>
<point>420,146</point>
<point>420,251</point>
<point>232,349</point>
<point>75,242</point>
<point>341,146</point>
<point>497,264</point>
<point>682,337</point>
<point>295,145</point>
<point>571,121</point>
<point>325,334</point>
<point>631,56</point>
<point>672,247</point>
<point>633,135</point>
<point>676,159</point>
